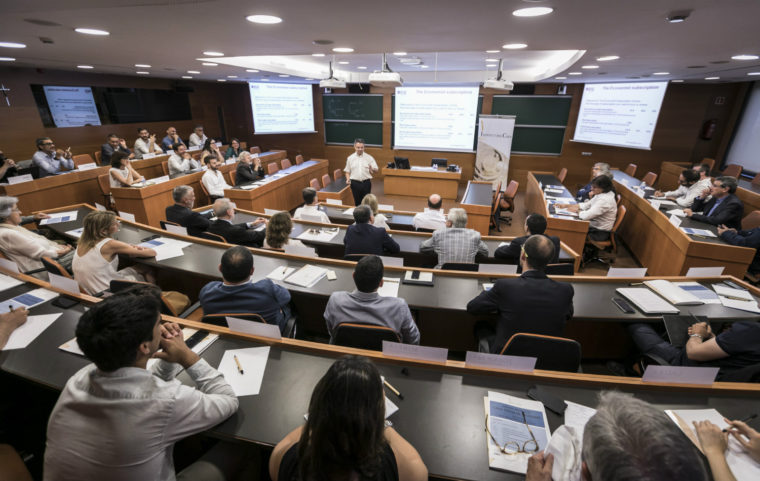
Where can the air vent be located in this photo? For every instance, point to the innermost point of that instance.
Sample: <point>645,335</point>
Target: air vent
<point>44,23</point>
<point>46,40</point>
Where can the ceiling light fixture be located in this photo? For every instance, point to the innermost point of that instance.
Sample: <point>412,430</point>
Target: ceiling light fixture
<point>317,55</point>
<point>744,57</point>
<point>753,73</point>
<point>560,78</point>
<point>252,70</point>
<point>12,45</point>
<point>209,64</point>
<point>677,17</point>
<point>661,73</point>
<point>7,59</point>
<point>213,54</point>
<point>532,11</point>
<point>85,66</point>
<point>142,73</point>
<point>362,67</point>
<point>232,76</point>
<point>590,67</point>
<point>343,49</point>
<point>399,54</point>
<point>186,76</point>
<point>677,81</point>
<point>264,19</point>
<point>492,60</point>
<point>712,78</point>
<point>142,65</point>
<point>514,46</point>
<point>283,75</point>
<point>492,51</point>
<point>344,62</point>
<point>221,80</point>
<point>424,66</point>
<point>607,58</point>
<point>575,73</point>
<point>91,31</point>
<point>193,71</point>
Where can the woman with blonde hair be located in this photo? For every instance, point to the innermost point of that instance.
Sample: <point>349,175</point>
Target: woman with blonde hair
<point>278,232</point>
<point>96,259</point>
<point>380,220</point>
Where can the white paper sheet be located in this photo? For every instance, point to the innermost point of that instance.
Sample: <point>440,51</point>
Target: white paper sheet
<point>76,232</point>
<point>6,282</point>
<point>28,332</point>
<point>71,346</point>
<point>390,287</point>
<point>57,217</point>
<point>253,360</point>
<point>749,306</point>
<point>280,273</point>
<point>127,216</point>
<point>28,300</point>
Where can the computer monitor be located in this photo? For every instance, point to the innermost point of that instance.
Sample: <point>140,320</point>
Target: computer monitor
<point>439,162</point>
<point>401,162</point>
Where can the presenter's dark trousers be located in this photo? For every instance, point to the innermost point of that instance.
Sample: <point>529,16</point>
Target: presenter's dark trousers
<point>360,188</point>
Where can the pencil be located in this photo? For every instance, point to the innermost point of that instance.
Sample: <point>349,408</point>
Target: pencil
<point>747,419</point>
<point>395,391</point>
<point>237,361</point>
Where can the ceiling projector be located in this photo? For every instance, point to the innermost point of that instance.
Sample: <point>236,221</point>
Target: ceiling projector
<point>332,83</point>
<point>385,79</point>
<point>498,84</point>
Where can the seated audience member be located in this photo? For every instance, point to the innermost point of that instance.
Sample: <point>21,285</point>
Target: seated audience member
<point>235,293</point>
<point>278,232</point>
<point>181,161</point>
<point>310,207</point>
<point>535,224</point>
<point>714,444</point>
<point>600,168</point>
<point>364,238</point>
<point>366,306</point>
<point>249,169</point>
<point>25,247</point>
<point>628,439</point>
<point>118,420</point>
<point>114,144</point>
<point>198,138</point>
<point>743,238</point>
<point>735,347</point>
<point>455,242</point>
<point>210,149</point>
<point>96,258</point>
<point>49,161</point>
<point>182,211</point>
<point>213,180</point>
<point>146,144</point>
<point>531,303</point>
<point>122,174</point>
<point>433,217</point>
<point>243,233</point>
<point>7,168</point>
<point>704,174</point>
<point>724,207</point>
<point>600,211</point>
<point>171,138</point>
<point>345,436</point>
<point>379,219</point>
<point>9,322</point>
<point>234,150</point>
<point>688,189</point>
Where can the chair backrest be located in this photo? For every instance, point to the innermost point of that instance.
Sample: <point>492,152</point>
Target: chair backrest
<point>752,220</point>
<point>562,174</point>
<point>52,265</point>
<point>81,159</point>
<point>164,223</point>
<point>511,190</point>
<point>621,210</point>
<point>650,179</point>
<point>98,157</point>
<point>326,180</point>
<point>495,192</point>
<point>233,176</point>
<point>314,184</point>
<point>496,204</point>
<point>732,170</point>
<point>299,159</point>
<point>243,145</point>
<point>221,319</point>
<point>337,174</point>
<point>561,269</point>
<point>272,168</point>
<point>212,236</point>
<point>552,353</point>
<point>363,336</point>
<point>285,163</point>
<point>104,184</point>
<point>756,179</point>
<point>355,257</point>
<point>255,150</point>
<point>459,266</point>
<point>165,167</point>
<point>118,285</point>
<point>438,162</point>
<point>710,162</point>
<point>204,189</point>
<point>631,170</point>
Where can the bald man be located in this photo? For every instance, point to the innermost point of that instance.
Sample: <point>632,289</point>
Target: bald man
<point>433,217</point>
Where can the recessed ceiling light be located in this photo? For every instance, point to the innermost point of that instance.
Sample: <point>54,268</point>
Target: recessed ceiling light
<point>266,19</point>
<point>7,59</point>
<point>560,78</point>
<point>661,73</point>
<point>590,67</point>
<point>362,67</point>
<point>283,75</point>
<point>575,73</point>
<point>607,58</point>
<point>343,49</point>
<point>142,65</point>
<point>231,76</point>
<point>753,73</point>
<point>186,76</point>
<point>85,66</point>
<point>492,51</point>
<point>317,55</point>
<point>213,54</point>
<point>514,46</point>
<point>209,64</point>
<point>252,70</point>
<point>677,17</point>
<point>91,31</point>
<point>221,80</point>
<point>193,71</point>
<point>712,78</point>
<point>12,45</point>
<point>265,80</point>
<point>308,79</point>
<point>399,54</point>
<point>343,62</point>
<point>142,72</point>
<point>492,60</point>
<point>532,11</point>
<point>744,57</point>
<point>677,81</point>
<point>424,66</point>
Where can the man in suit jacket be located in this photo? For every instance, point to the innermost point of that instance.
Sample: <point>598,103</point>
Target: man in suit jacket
<point>242,234</point>
<point>364,238</point>
<point>724,207</point>
<point>531,303</point>
<point>535,224</point>
<point>182,211</point>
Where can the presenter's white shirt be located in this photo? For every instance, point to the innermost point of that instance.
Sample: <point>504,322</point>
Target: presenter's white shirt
<point>357,167</point>
<point>600,211</point>
<point>214,182</point>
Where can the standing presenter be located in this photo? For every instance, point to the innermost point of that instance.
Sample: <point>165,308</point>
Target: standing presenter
<point>359,170</point>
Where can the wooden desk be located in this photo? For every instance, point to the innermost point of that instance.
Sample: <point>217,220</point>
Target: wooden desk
<point>337,189</point>
<point>749,194</point>
<point>477,202</point>
<point>570,231</point>
<point>421,183</point>
<point>47,193</point>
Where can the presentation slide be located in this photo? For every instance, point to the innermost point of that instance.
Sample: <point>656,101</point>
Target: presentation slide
<point>620,114</point>
<point>72,106</point>
<point>436,118</point>
<point>281,108</point>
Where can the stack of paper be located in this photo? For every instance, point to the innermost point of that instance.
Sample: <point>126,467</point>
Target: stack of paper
<point>307,276</point>
<point>166,247</point>
<point>390,287</point>
<point>701,292</point>
<point>57,217</point>
<point>647,301</point>
<point>319,235</point>
<point>674,294</point>
<point>736,298</point>
<point>698,232</point>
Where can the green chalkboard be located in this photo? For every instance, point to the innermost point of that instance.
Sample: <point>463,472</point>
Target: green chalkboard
<point>353,107</point>
<point>532,140</point>
<point>346,132</point>
<point>534,109</point>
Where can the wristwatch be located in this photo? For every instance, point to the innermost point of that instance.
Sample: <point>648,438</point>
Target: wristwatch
<point>697,335</point>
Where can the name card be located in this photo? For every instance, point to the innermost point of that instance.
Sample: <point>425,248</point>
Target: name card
<point>334,201</point>
<point>100,207</point>
<point>392,261</point>
<point>680,374</point>
<point>9,265</point>
<point>218,144</point>
<point>704,271</point>
<point>675,220</point>
<point>89,166</point>
<point>513,363</point>
<point>384,207</point>
<point>20,178</point>
<point>127,216</point>
<point>627,272</point>
<point>497,268</point>
<point>270,331</point>
<point>170,152</point>
<point>655,203</point>
<point>149,156</point>
<point>159,180</point>
<point>410,351</point>
<point>194,148</point>
<point>63,283</point>
<point>300,250</point>
<point>176,229</point>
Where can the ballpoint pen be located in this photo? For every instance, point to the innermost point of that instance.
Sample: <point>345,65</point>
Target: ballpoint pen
<point>237,362</point>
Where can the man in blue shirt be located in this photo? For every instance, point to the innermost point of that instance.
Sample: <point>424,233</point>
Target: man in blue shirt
<point>48,160</point>
<point>237,294</point>
<point>171,138</point>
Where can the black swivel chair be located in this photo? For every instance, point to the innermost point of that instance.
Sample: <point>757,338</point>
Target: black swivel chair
<point>363,336</point>
<point>552,353</point>
<point>459,266</point>
<point>221,320</point>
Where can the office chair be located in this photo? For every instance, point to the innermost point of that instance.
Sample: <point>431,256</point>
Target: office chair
<point>272,168</point>
<point>164,223</point>
<point>459,266</point>
<point>98,157</point>
<point>650,179</point>
<point>561,269</point>
<point>631,170</point>
<point>732,170</point>
<point>81,159</point>
<point>610,244</point>
<point>752,220</point>
<point>299,159</point>
<point>508,200</point>
<point>438,162</point>
<point>562,174</point>
<point>314,184</point>
<point>12,466</point>
<point>552,353</point>
<point>710,162</point>
<point>221,320</point>
<point>233,176</point>
<point>285,163</point>
<point>326,180</point>
<point>363,336</point>
<point>337,174</point>
<point>165,167</point>
<point>213,237</point>
<point>169,301</point>
<point>105,189</point>
<point>495,212</point>
<point>255,150</point>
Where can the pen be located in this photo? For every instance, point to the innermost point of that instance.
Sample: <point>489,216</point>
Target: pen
<point>636,284</point>
<point>240,368</point>
<point>395,391</point>
<point>747,419</point>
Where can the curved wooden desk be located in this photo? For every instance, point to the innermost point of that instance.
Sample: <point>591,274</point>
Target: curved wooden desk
<point>421,183</point>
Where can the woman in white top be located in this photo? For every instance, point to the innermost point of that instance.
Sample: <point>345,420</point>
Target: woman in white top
<point>278,232</point>
<point>96,259</point>
<point>122,174</point>
<point>380,220</point>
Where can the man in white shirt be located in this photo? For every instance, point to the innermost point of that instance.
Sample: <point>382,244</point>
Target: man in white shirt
<point>359,169</point>
<point>433,217</point>
<point>688,189</point>
<point>213,180</point>
<point>600,211</point>
<point>118,420</point>
<point>179,162</point>
<point>198,138</point>
<point>146,144</point>
<point>310,208</point>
